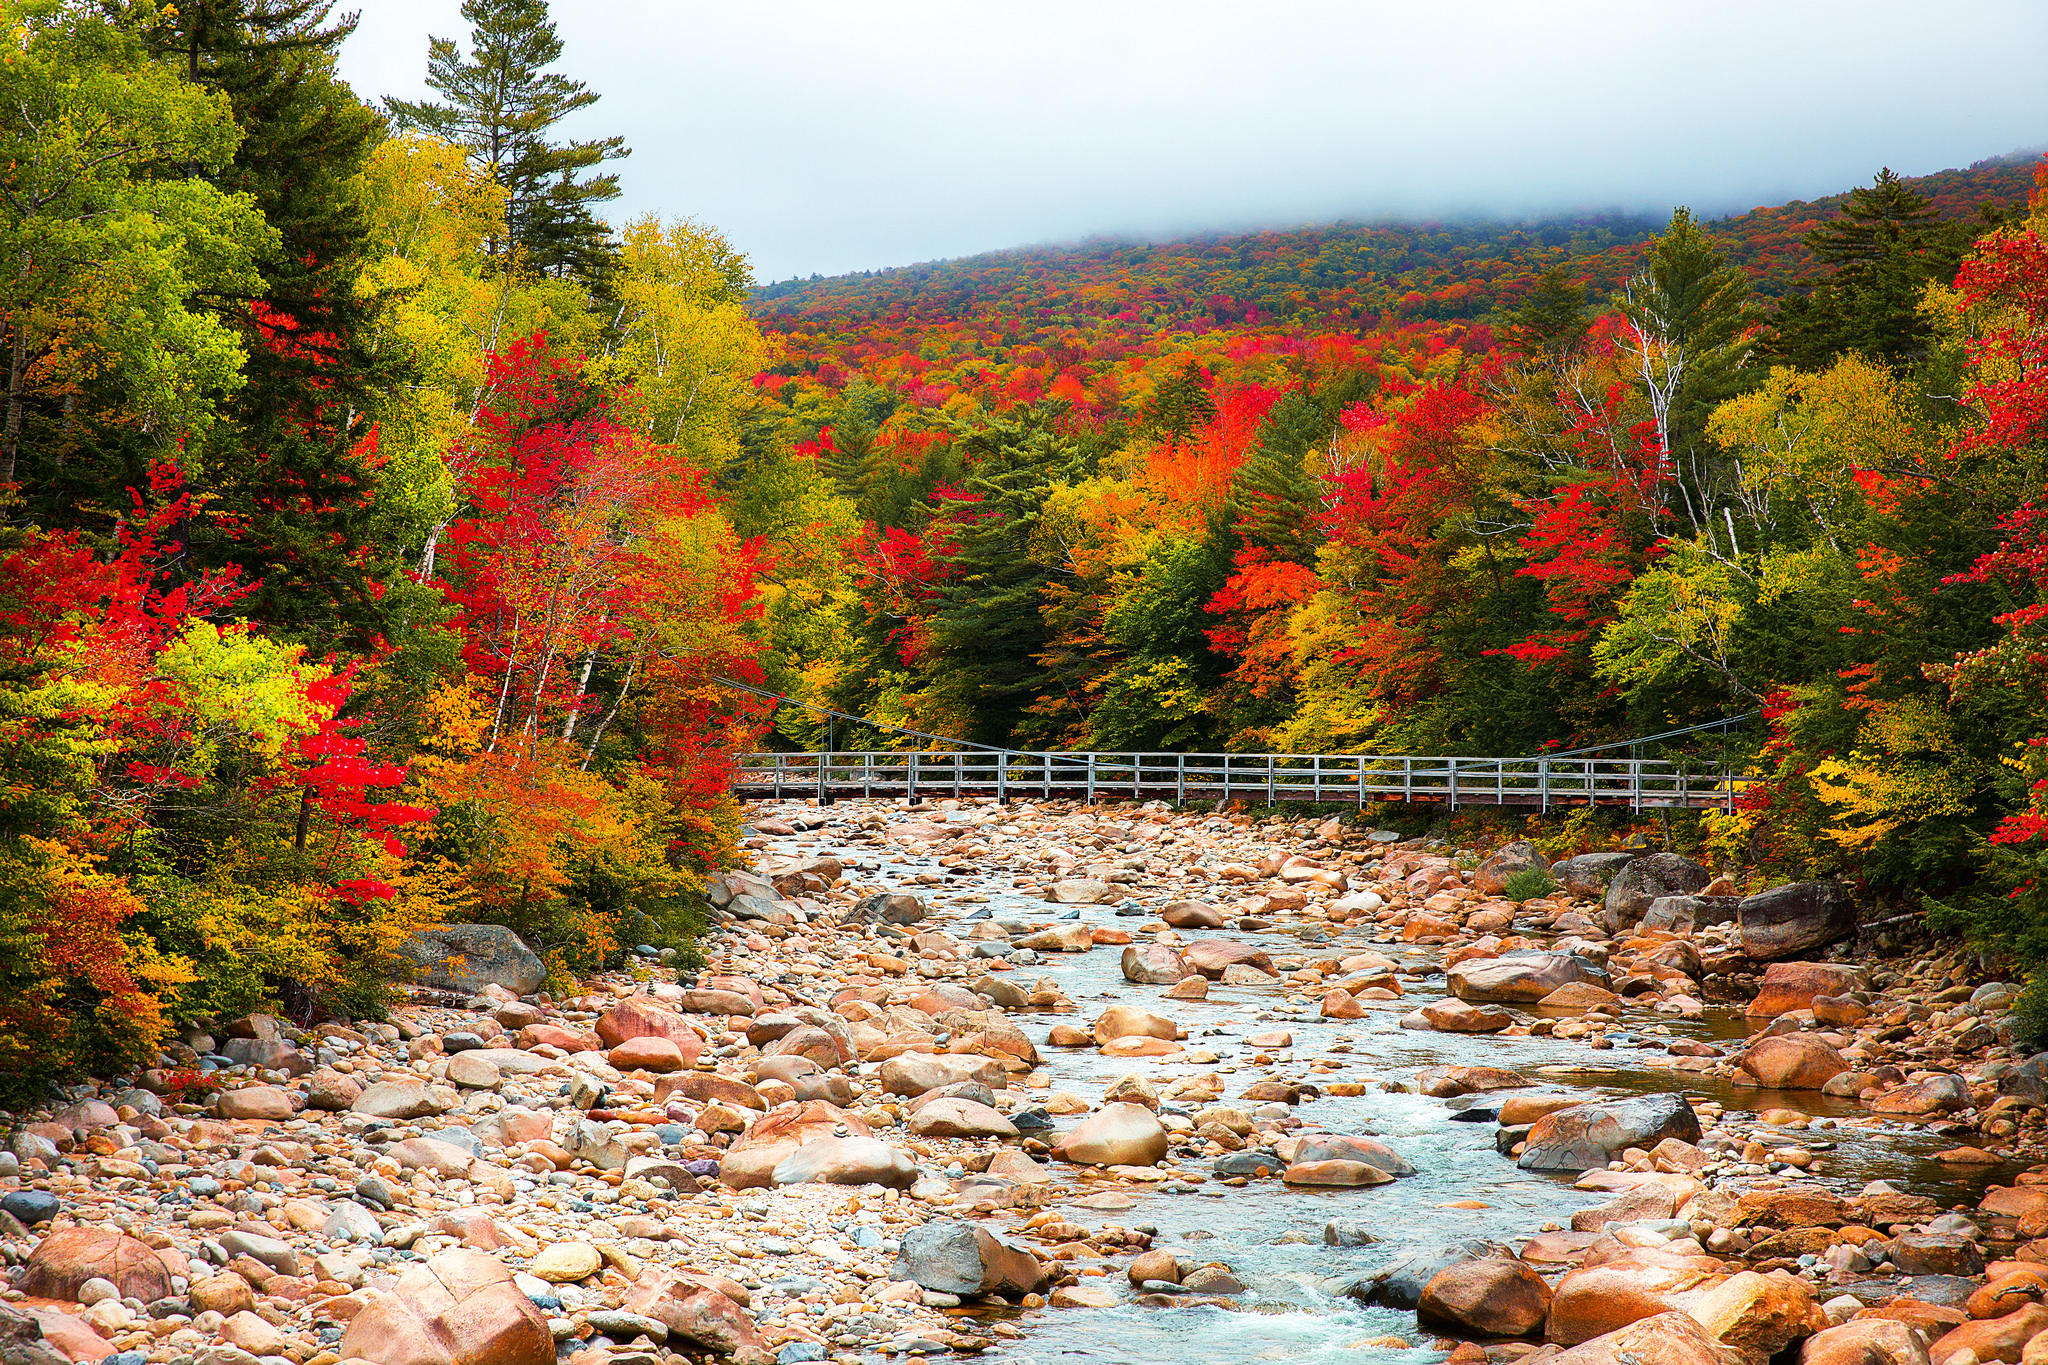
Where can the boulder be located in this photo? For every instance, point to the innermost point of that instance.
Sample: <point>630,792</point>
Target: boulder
<point>1080,891</point>
<point>1519,978</point>
<point>954,1257</point>
<point>1683,914</point>
<point>1593,1134</point>
<point>847,1161</point>
<point>1665,1339</point>
<point>1520,856</point>
<point>1598,1299</point>
<point>914,1073</point>
<point>697,1311</point>
<point>1400,1283</point>
<point>468,957</point>
<point>1645,879</point>
<point>1792,1061</point>
<point>1792,921</point>
<point>1589,874</point>
<point>1872,1341</point>
<point>65,1259</point>
<point>657,1055</point>
<point>1455,1016</point>
<point>1448,1082</point>
<point>1758,1315</point>
<point>1335,1174</point>
<point>1994,1338</point>
<point>1132,1021</point>
<point>460,1308</point>
<point>403,1097</point>
<point>751,1160</point>
<point>1490,1297</point>
<point>639,1017</point>
<point>1193,915</point>
<point>953,1116</point>
<point>23,1340</point>
<point>1334,1147</point>
<point>254,1102</point>
<point>889,907</point>
<point>1789,986</point>
<point>1115,1135</point>
<point>1153,964</point>
<point>1212,956</point>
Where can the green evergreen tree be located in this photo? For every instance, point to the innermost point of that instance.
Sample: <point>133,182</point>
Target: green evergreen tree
<point>1552,320</point>
<point>988,631</point>
<point>287,474</point>
<point>501,104</point>
<point>1883,250</point>
<point>1695,307</point>
<point>1181,404</point>
<point>1273,497</point>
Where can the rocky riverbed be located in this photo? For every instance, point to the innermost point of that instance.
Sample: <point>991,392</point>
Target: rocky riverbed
<point>1107,1083</point>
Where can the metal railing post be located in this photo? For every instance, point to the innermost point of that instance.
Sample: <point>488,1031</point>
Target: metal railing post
<point>910,779</point>
<point>1453,769</point>
<point>1180,779</point>
<point>1361,781</point>
<point>1407,777</point>
<point>1543,783</point>
<point>1003,778</point>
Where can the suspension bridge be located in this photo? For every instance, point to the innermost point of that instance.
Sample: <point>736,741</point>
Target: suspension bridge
<point>1604,775</point>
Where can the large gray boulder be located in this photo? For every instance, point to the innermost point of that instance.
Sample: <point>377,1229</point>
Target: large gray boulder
<point>1519,856</point>
<point>954,1257</point>
<point>1590,1135</point>
<point>1794,921</point>
<point>468,957</point>
<point>1643,881</point>
<point>1519,978</point>
<point>1588,874</point>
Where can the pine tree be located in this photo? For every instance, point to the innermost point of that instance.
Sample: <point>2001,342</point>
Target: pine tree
<point>1884,249</point>
<point>287,474</point>
<point>1552,320</point>
<point>501,104</point>
<point>1181,404</point>
<point>1273,496</point>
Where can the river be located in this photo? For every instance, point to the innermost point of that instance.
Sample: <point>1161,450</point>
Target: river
<point>1271,1235</point>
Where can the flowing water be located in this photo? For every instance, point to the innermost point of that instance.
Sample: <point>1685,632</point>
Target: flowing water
<point>1272,1236</point>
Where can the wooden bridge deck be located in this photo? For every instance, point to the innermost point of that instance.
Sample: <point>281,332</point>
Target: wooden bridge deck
<point>1258,779</point>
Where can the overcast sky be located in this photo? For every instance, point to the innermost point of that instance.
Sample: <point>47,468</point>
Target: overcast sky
<point>835,135</point>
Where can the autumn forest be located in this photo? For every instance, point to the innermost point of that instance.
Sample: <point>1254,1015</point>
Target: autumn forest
<point>383,529</point>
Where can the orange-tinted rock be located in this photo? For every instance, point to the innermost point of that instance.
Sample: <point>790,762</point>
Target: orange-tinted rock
<point>460,1308</point>
<point>65,1259</point>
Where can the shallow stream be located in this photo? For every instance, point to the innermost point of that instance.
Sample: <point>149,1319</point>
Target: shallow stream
<point>1271,1235</point>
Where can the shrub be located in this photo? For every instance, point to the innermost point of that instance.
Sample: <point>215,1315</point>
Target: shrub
<point>1529,884</point>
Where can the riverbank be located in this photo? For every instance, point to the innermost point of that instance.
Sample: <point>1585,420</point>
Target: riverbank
<point>1200,1074</point>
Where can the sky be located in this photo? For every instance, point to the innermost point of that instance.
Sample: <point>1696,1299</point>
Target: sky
<point>825,136</point>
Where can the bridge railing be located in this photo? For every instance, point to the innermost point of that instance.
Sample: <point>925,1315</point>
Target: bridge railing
<point>1266,779</point>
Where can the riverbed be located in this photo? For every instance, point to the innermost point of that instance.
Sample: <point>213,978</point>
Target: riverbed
<point>1272,1236</point>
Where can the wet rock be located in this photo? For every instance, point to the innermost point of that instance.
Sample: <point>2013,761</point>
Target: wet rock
<point>1117,1135</point>
<point>950,1257</point>
<point>1080,891</point>
<point>1592,1134</point>
<point>1213,956</point>
<point>1446,1082</point>
<point>1492,1297</point>
<point>1519,978</point>
<point>468,957</point>
<point>1789,986</point>
<point>1337,1174</point>
<point>1644,880</point>
<point>1400,1283</point>
<point>1212,1279</point>
<point>1153,964</point>
<point>1927,1253</point>
<point>1348,1232</point>
<point>1193,915</point>
<point>1791,1062</point>
<point>1792,921</point>
<point>1328,1147</point>
<point>1455,1016</point>
<point>1154,1267</point>
<point>460,1308</point>
<point>1132,1021</point>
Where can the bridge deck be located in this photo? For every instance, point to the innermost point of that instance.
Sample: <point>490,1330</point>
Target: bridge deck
<point>1260,779</point>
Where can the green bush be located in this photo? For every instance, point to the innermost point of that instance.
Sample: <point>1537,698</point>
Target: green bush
<point>1529,884</point>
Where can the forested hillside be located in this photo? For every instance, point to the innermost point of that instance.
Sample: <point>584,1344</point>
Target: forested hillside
<point>1451,489</point>
<point>383,528</point>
